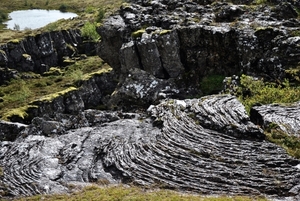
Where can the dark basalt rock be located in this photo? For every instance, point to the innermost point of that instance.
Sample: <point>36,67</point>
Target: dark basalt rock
<point>205,145</point>
<point>202,38</point>
<point>91,93</point>
<point>39,53</point>
<point>9,131</point>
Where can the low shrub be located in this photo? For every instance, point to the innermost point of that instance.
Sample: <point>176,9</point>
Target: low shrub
<point>88,32</point>
<point>253,91</point>
<point>212,84</point>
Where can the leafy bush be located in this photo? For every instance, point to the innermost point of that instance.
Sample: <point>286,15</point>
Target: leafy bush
<point>253,91</point>
<point>88,31</point>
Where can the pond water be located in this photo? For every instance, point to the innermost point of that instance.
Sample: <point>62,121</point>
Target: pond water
<point>36,18</point>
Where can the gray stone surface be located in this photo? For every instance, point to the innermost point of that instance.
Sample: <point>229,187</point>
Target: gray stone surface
<point>205,145</point>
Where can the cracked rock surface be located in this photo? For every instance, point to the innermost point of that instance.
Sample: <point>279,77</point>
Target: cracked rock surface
<point>205,145</point>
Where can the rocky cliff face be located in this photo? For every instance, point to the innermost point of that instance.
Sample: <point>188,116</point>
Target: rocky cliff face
<point>39,53</point>
<point>160,51</point>
<point>187,41</point>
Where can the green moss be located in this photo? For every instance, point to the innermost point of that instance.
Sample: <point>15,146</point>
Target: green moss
<point>138,33</point>
<point>50,97</point>
<point>20,112</point>
<point>15,41</point>
<point>1,171</point>
<point>99,72</point>
<point>26,56</point>
<point>53,71</point>
<point>165,31</point>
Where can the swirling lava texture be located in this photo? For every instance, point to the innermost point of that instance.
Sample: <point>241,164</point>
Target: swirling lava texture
<point>204,145</point>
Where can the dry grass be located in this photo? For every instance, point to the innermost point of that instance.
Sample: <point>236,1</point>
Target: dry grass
<point>115,193</point>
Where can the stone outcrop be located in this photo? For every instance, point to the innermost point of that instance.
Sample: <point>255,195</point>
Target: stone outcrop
<point>92,92</point>
<point>205,145</point>
<point>40,52</point>
<point>190,40</point>
<point>285,116</point>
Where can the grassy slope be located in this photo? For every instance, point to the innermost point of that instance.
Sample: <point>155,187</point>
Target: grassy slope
<point>86,10</point>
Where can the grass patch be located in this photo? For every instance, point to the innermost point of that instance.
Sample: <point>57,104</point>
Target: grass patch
<point>135,194</point>
<point>88,32</point>
<point>89,10</point>
<point>253,91</point>
<point>20,92</point>
<point>290,143</point>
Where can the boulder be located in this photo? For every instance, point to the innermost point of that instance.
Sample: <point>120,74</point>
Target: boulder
<point>285,116</point>
<point>40,52</point>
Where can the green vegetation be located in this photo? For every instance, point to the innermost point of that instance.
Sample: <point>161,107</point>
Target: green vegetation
<point>88,10</point>
<point>3,16</point>
<point>258,2</point>
<point>21,92</point>
<point>253,91</point>
<point>290,143</point>
<point>101,14</point>
<point>138,33</point>
<point>165,31</point>
<point>212,84</point>
<point>135,194</point>
<point>88,31</point>
<point>63,8</point>
<point>1,171</point>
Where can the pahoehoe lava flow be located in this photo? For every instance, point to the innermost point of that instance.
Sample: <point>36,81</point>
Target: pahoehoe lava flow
<point>198,145</point>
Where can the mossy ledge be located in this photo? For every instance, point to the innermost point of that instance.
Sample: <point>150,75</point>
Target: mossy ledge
<point>18,113</point>
<point>51,97</point>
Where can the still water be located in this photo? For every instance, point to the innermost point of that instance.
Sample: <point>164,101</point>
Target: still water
<point>33,19</point>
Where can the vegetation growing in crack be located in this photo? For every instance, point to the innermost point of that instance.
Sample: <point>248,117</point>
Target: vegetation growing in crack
<point>290,143</point>
<point>255,91</point>
<point>88,31</point>
<point>211,84</point>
